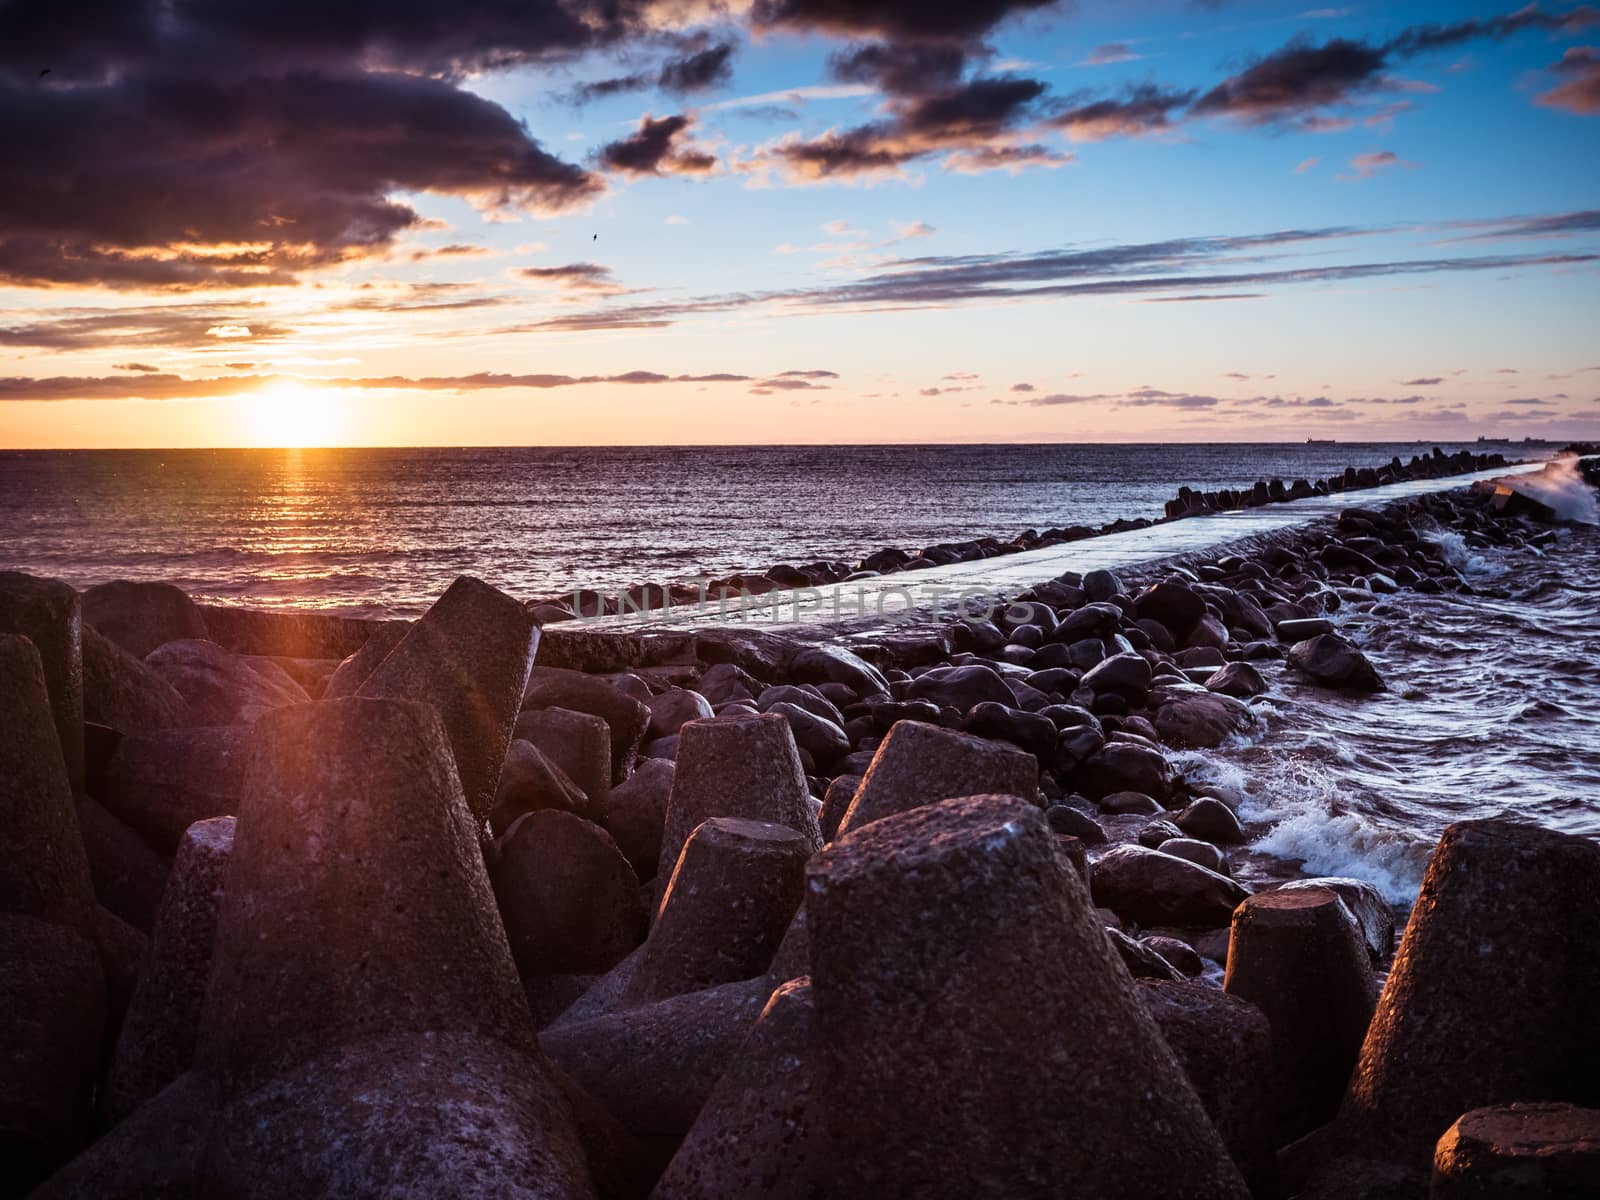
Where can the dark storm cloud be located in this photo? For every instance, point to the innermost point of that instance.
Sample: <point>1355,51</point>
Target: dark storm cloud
<point>654,149</point>
<point>909,20</point>
<point>1141,110</point>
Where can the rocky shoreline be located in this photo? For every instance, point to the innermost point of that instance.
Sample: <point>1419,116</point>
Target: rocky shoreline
<point>298,906</point>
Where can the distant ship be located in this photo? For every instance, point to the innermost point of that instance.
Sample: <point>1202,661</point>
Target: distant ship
<point>1321,442</point>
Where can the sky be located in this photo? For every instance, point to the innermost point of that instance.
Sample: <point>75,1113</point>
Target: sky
<point>588,222</point>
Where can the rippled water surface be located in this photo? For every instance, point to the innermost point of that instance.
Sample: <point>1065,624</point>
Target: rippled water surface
<point>384,531</point>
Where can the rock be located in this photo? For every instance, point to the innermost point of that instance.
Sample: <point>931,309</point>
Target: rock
<point>158,1035</point>
<point>128,876</point>
<point>1152,888</point>
<point>1142,961</point>
<point>1175,605</point>
<point>122,950</point>
<point>355,670</point>
<point>962,687</point>
<point>1333,662</point>
<point>1371,911</point>
<point>1156,832</point>
<point>1123,803</point>
<point>161,783</point>
<point>1201,720</point>
<point>724,909</point>
<point>725,682</point>
<point>1101,585</point>
<point>834,664</point>
<point>1211,820</point>
<point>638,814</point>
<point>1201,853</point>
<point>1177,952</point>
<point>1123,767</point>
<point>747,767</point>
<point>142,616</point>
<point>1027,731</point>
<point>961,912</point>
<point>47,613</point>
<point>529,782</point>
<point>569,899</point>
<point>836,802</point>
<point>579,743</point>
<point>1126,675</point>
<point>1519,1152</point>
<point>919,764</point>
<point>1238,679</point>
<point>1092,620</point>
<point>1224,1046</point>
<point>817,736</point>
<point>1208,633</point>
<point>1300,629</point>
<point>1498,957</point>
<point>753,1137</point>
<point>804,698</point>
<point>221,688</point>
<point>469,656</point>
<point>674,707</point>
<point>627,718</point>
<point>1298,957</point>
<point>1065,819</point>
<point>120,692</point>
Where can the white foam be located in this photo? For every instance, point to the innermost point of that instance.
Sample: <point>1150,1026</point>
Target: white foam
<point>1460,556</point>
<point>1561,487</point>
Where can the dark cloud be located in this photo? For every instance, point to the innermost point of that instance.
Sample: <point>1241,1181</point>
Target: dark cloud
<point>135,366</point>
<point>901,69</point>
<point>1430,381</point>
<point>1419,39</point>
<point>706,66</point>
<point>909,20</point>
<point>1579,91</point>
<point>787,384</point>
<point>576,277</point>
<point>654,149</point>
<point>808,375</point>
<point>1023,387</point>
<point>1143,109</point>
<point>1549,225</point>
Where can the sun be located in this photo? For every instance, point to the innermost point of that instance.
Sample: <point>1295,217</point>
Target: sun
<point>294,415</point>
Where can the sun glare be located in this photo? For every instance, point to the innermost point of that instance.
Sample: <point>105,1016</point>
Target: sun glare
<point>291,414</point>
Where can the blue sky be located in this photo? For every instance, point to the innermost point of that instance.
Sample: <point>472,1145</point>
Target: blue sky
<point>1131,275</point>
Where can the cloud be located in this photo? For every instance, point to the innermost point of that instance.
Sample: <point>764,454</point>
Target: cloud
<point>1142,110</point>
<point>705,66</point>
<point>1109,53</point>
<point>1430,381</point>
<point>912,230</point>
<point>911,20</point>
<point>1579,68</point>
<point>135,366</point>
<point>1367,165</point>
<point>807,375</point>
<point>1023,387</point>
<point>787,383</point>
<point>654,149</point>
<point>146,326</point>
<point>575,277</point>
<point>1306,165</point>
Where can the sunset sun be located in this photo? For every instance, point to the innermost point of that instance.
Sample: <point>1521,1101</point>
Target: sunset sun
<point>292,414</point>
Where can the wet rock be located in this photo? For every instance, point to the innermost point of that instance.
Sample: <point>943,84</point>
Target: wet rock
<point>529,782</point>
<point>1333,662</point>
<point>627,718</point>
<point>1224,1046</point>
<point>1201,719</point>
<point>158,1035</point>
<point>1101,585</point>
<point>1201,853</point>
<point>1175,605</point>
<point>673,708</point>
<point>1371,911</point>
<point>638,814</point>
<point>1151,888</point>
<point>47,613</point>
<point>120,692</point>
<point>161,783</point>
<point>1177,952</point>
<point>1300,629</point>
<point>1123,767</point>
<point>919,764</point>
<point>1519,1152</point>
<point>1142,961</point>
<point>1298,957</point>
<point>817,736</point>
<point>724,909</point>
<point>725,682</point>
<point>1211,820</point>
<point>579,743</point>
<point>569,899</point>
<point>1238,679</point>
<point>1156,832</point>
<point>1092,620</point>
<point>469,656</point>
<point>1126,675</point>
<point>1123,803</point>
<point>1065,819</point>
<point>962,911</point>
<point>746,767</point>
<point>1031,732</point>
<point>128,876</point>
<point>834,664</point>
<point>222,688</point>
<point>962,687</point>
<point>141,616</point>
<point>356,669</point>
<point>804,698</point>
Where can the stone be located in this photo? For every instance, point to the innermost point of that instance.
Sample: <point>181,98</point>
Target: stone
<point>1127,675</point>
<point>1143,961</point>
<point>1151,888</point>
<point>121,692</point>
<point>1177,952</point>
<point>357,668</point>
<point>724,909</point>
<point>919,764</point>
<point>1065,819</point>
<point>1101,585</point>
<point>962,687</point>
<point>1123,767</point>
<point>961,915</point>
<point>222,688</point>
<point>469,656</point>
<point>1332,661</point>
<point>48,613</point>
<point>1371,911</point>
<point>1211,820</point>
<point>1157,832</point>
<point>156,1044</point>
<point>1519,1152</point>
<point>1224,1046</point>
<point>529,782</point>
<point>1202,853</point>
<point>725,682</point>
<point>627,718</point>
<point>673,708</point>
<point>835,664</point>
<point>836,802</point>
<point>753,1136</point>
<point>579,743</point>
<point>819,737</point>
<point>1123,803</point>
<point>746,767</point>
<point>141,616</point>
<point>128,876</point>
<point>1200,719</point>
<point>1498,957</point>
<point>1237,679</point>
<point>1175,605</point>
<point>1031,732</point>
<point>161,783</point>
<point>1300,629</point>
<point>1299,957</point>
<point>568,898</point>
<point>638,814</point>
<point>122,950</point>
<point>1098,620</point>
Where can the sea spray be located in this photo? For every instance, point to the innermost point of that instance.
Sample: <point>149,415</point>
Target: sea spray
<point>1563,488</point>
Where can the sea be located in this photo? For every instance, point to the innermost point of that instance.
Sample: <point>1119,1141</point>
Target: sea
<point>1494,698</point>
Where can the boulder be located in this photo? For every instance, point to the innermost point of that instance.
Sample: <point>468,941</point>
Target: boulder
<point>835,664</point>
<point>121,692</point>
<point>1125,803</point>
<point>747,767</point>
<point>569,899</point>
<point>1211,820</point>
<point>1237,679</point>
<point>675,707</point>
<point>1064,819</point>
<point>1519,1152</point>
<point>1371,911</point>
<point>1156,832</point>
<point>529,782</point>
<point>638,814</point>
<point>47,612</point>
<point>161,783</point>
<point>1143,961</point>
<point>919,764</point>
<point>818,736</point>
<point>579,743</point>
<point>1175,605</point>
<point>156,1044</point>
<point>1332,661</point>
<point>1151,888</point>
<point>128,876</point>
<point>356,669</point>
<point>1124,767</point>
<point>725,682</point>
<point>222,688</point>
<point>962,687</point>
<point>627,718</point>
<point>962,912</point>
<point>141,616</point>
<point>1201,720</point>
<point>1298,957</point>
<point>1300,629</point>
<point>1192,850</point>
<point>468,656</point>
